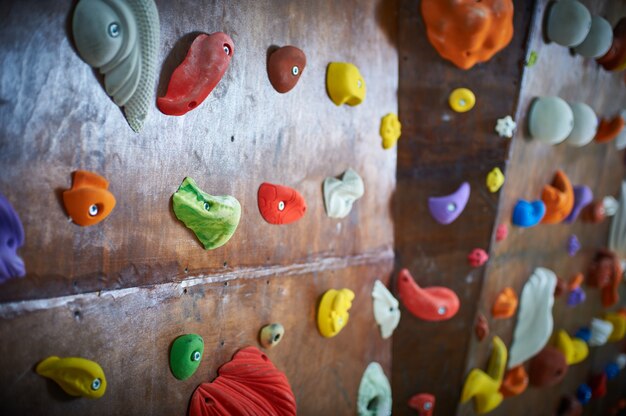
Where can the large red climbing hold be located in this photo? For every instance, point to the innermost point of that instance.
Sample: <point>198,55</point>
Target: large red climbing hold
<point>431,303</point>
<point>280,204</point>
<point>247,385</point>
<point>194,79</point>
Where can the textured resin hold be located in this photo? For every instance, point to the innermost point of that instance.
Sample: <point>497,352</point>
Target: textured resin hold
<point>374,396</point>
<point>340,194</point>
<point>11,238</point>
<point>185,355</point>
<point>284,68</point>
<point>213,219</point>
<point>76,376</point>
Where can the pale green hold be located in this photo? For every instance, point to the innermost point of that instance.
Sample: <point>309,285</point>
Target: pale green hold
<point>374,392</point>
<point>213,219</point>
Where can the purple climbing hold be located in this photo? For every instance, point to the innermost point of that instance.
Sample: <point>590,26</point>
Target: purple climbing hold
<point>582,197</point>
<point>576,297</point>
<point>573,245</point>
<point>446,209</point>
<point>11,238</point>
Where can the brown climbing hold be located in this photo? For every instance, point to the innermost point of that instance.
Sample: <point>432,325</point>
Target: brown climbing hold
<point>609,129</point>
<point>547,368</point>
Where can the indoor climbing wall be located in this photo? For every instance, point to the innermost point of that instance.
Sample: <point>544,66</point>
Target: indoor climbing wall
<point>121,291</point>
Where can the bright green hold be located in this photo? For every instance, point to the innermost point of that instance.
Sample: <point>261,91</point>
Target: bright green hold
<point>214,219</point>
<point>185,355</point>
<point>532,59</point>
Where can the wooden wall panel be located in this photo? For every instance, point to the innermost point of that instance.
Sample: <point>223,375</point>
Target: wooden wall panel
<point>439,150</point>
<point>56,118</point>
<point>129,333</point>
<point>529,167</point>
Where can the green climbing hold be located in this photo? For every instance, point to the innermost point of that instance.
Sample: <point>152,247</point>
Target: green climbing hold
<point>213,219</point>
<point>185,355</point>
<point>532,59</point>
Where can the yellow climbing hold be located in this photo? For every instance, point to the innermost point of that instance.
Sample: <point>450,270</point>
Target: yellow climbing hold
<point>574,350</point>
<point>462,100</point>
<point>495,179</point>
<point>618,319</point>
<point>332,314</point>
<point>390,130</point>
<point>345,84</point>
<point>76,376</point>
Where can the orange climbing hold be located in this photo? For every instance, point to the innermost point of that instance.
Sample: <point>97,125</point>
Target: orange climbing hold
<point>505,304</point>
<point>515,381</point>
<point>558,198</point>
<point>89,201</point>
<point>609,129</point>
<point>467,32</point>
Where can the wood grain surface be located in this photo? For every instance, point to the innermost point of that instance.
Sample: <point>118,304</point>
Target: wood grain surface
<point>57,118</point>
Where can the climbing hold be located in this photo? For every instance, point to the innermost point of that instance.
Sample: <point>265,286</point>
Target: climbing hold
<point>610,205</point>
<point>532,59</point>
<point>620,360</point>
<point>605,272</point>
<point>271,335</point>
<point>611,370</point>
<point>584,334</point>
<point>505,305</point>
<point>247,385</point>
<point>11,238</point>
<point>423,403</point>
<point>615,58</point>
<point>121,39</point>
<point>576,296</point>
<point>583,393</point>
<point>213,219</point>
<point>617,234</point>
<point>88,201</point>
<point>574,349</point>
<point>618,319</point>
<point>515,382</point>
<point>593,212</point>
<point>560,288</point>
<point>495,179</point>
<point>569,406</point>
<point>374,397</point>
<point>528,214</point>
<point>344,84</point>
<point>185,355</point>
<point>568,23</point>
<point>582,197</point>
<point>600,332</point>
<point>547,368</point>
<point>598,385</point>
<point>550,120</point>
<point>284,68</point>
<point>332,313</point>
<point>340,194</point>
<point>585,125</point>
<point>573,245</point>
<point>484,387</point>
<point>534,320</point>
<point>193,80</point>
<point>576,281</point>
<point>386,309</point>
<point>477,257</point>
<point>502,232</point>
<point>434,303</point>
<point>446,209</point>
<point>390,130</point>
<point>76,376</point>
<point>467,32</point>
<point>505,127</point>
<point>558,198</point>
<point>609,129</point>
<point>598,41</point>
<point>481,328</point>
<point>462,100</point>
<point>280,204</point>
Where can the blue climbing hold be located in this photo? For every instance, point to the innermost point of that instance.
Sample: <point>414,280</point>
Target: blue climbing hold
<point>611,370</point>
<point>528,214</point>
<point>583,333</point>
<point>583,393</point>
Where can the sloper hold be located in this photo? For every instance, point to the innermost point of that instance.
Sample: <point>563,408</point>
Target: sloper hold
<point>615,58</point>
<point>284,68</point>
<point>534,321</point>
<point>528,214</point>
<point>340,194</point>
<point>280,204</point>
<point>568,22</point>
<point>467,32</point>
<point>213,219</point>
<point>185,355</point>
<point>76,376</point>
<point>386,309</point>
<point>11,238</point>
<point>547,368</point>
<point>484,387</point>
<point>121,39</point>
<point>345,84</point>
<point>505,305</point>
<point>88,201</point>
<point>434,303</point>
<point>249,384</point>
<point>558,198</point>
<point>550,120</point>
<point>374,397</point>
<point>202,69</point>
<point>446,209</point>
<point>585,125</point>
<point>332,313</point>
